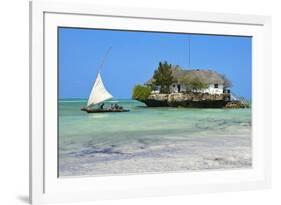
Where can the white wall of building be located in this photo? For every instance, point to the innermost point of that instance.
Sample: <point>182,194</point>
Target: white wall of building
<point>211,89</point>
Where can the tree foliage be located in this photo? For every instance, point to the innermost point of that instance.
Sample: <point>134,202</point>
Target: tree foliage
<point>192,84</point>
<point>163,77</point>
<point>186,81</point>
<point>141,92</point>
<point>198,84</point>
<point>227,82</point>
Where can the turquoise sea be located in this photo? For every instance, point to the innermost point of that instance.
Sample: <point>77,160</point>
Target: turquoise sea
<point>151,140</point>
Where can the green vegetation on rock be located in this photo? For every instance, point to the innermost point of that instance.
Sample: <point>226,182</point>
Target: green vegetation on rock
<point>141,92</point>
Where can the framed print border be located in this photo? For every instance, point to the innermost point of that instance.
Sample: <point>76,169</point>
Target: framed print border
<point>46,17</point>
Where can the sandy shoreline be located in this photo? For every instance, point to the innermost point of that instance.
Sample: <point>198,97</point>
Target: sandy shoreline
<point>182,154</point>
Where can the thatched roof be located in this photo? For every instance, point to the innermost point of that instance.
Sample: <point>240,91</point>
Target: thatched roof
<point>207,76</point>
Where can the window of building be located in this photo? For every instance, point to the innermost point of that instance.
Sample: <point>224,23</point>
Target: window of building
<point>216,85</point>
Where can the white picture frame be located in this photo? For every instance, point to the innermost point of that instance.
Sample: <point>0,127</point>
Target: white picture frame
<point>46,187</point>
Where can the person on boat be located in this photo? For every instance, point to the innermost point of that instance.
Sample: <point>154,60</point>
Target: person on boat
<point>101,106</point>
<point>116,106</point>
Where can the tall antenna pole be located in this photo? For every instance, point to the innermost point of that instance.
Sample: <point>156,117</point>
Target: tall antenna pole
<point>189,51</point>
<point>104,58</point>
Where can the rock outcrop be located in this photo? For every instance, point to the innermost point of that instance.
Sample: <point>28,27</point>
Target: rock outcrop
<point>236,104</point>
<point>195,100</point>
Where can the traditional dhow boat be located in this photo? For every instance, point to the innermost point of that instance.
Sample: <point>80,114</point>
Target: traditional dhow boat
<point>98,95</point>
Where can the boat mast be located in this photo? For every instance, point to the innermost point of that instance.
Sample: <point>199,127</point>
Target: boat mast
<point>104,58</point>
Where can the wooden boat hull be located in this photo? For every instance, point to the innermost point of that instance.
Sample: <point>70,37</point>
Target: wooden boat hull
<point>103,110</point>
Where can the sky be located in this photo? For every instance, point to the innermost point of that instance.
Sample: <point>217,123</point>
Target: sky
<point>135,55</point>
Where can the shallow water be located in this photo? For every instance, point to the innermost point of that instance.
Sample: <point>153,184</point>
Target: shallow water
<point>147,140</point>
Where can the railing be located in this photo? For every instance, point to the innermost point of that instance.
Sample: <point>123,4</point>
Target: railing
<point>234,97</point>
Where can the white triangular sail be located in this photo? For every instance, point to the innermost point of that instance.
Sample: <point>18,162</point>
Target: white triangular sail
<point>98,93</point>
